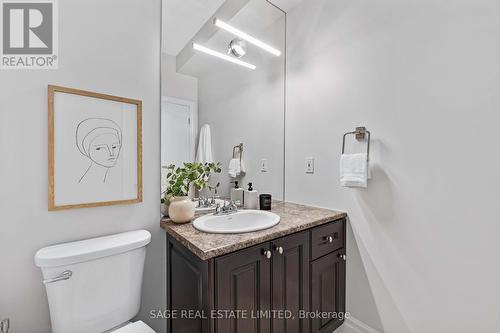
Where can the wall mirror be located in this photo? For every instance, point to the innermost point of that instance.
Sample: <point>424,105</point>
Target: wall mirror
<point>223,92</point>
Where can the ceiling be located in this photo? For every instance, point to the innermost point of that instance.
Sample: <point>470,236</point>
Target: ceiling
<point>286,5</point>
<point>183,18</point>
<point>256,18</point>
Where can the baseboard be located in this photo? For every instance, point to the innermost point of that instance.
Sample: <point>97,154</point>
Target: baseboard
<point>353,325</point>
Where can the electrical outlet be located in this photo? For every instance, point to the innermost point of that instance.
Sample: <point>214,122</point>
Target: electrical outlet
<point>263,165</point>
<point>309,165</point>
<point>5,325</point>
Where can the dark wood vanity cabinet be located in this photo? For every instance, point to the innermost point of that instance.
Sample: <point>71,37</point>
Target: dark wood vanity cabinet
<point>328,290</point>
<point>299,274</point>
<point>243,282</point>
<point>328,275</point>
<point>290,281</point>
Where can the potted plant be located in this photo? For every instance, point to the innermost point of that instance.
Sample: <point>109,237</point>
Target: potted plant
<point>181,208</point>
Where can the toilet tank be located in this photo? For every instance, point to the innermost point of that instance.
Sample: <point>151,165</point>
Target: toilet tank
<point>104,289</point>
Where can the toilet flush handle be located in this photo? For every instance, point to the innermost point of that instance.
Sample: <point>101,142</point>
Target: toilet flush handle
<point>64,276</point>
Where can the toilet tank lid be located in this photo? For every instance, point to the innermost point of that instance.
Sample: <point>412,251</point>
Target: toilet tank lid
<point>89,249</point>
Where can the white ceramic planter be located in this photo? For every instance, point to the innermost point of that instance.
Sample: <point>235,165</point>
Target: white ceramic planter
<point>181,209</point>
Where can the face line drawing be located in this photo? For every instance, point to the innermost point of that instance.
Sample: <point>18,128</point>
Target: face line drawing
<point>98,147</point>
<point>100,140</point>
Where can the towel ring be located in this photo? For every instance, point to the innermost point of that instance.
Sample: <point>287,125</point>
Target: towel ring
<point>361,133</point>
<point>240,150</point>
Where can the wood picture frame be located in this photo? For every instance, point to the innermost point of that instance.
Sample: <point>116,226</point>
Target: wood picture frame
<point>84,108</point>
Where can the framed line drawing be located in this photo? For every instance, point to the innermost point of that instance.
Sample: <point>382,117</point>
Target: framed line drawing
<point>95,149</point>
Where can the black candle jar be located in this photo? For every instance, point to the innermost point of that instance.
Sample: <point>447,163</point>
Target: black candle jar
<point>265,201</point>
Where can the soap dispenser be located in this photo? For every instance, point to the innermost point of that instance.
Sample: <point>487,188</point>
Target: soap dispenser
<point>237,194</point>
<point>251,198</point>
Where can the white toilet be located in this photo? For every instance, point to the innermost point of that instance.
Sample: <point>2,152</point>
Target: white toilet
<point>94,285</point>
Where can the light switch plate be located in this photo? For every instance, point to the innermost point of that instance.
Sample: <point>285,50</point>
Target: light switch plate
<point>309,165</point>
<point>263,165</point>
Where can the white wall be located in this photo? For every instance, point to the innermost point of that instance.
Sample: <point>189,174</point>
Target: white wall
<point>105,46</point>
<point>175,84</point>
<point>423,76</point>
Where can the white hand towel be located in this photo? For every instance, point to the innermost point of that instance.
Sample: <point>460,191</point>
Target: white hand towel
<point>354,170</point>
<point>237,166</point>
<point>204,153</point>
<point>234,168</point>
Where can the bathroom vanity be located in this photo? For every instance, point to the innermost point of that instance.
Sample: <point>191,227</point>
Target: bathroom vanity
<point>289,278</point>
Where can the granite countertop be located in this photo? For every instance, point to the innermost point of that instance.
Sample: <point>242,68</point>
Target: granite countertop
<point>294,218</point>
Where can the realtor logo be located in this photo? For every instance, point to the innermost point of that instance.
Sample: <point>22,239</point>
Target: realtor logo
<point>29,34</point>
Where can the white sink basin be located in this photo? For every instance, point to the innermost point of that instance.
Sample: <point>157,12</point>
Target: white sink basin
<point>237,223</point>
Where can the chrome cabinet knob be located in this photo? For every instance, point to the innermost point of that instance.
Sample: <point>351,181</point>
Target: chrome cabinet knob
<point>342,256</point>
<point>268,254</point>
<point>279,249</point>
<point>329,239</point>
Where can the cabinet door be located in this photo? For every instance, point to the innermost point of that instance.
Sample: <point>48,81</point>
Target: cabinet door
<point>187,289</point>
<point>291,282</point>
<point>328,291</point>
<point>243,283</point>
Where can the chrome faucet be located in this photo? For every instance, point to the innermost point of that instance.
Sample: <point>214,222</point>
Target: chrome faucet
<point>229,207</point>
<point>206,202</point>
<point>213,198</point>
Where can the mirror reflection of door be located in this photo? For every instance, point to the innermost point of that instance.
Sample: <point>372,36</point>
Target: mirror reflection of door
<point>178,131</point>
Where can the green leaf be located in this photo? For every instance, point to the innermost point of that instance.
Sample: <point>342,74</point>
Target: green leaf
<point>180,178</point>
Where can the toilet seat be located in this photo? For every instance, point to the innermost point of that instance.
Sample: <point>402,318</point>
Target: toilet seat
<point>136,327</point>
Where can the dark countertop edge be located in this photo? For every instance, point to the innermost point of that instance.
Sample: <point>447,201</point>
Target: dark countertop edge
<point>220,251</point>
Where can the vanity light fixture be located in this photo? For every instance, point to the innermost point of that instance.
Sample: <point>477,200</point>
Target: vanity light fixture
<point>247,37</point>
<point>237,47</point>
<point>223,56</point>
